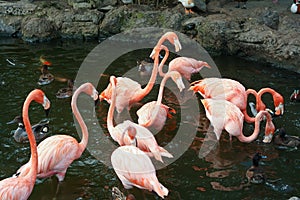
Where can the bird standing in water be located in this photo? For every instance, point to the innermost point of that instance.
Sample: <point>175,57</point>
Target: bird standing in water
<point>20,187</point>
<point>57,152</point>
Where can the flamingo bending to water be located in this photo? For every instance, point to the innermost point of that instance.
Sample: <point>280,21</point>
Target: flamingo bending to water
<point>56,153</point>
<point>130,133</point>
<point>155,113</point>
<point>223,114</point>
<point>235,92</point>
<point>139,172</point>
<point>19,188</point>
<point>129,91</point>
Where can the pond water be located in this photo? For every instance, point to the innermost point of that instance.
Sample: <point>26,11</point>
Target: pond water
<point>188,177</point>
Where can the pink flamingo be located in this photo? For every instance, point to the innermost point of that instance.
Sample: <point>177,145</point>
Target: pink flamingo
<point>223,114</point>
<point>129,91</point>
<point>130,133</point>
<point>139,172</point>
<point>155,113</point>
<point>16,188</point>
<point>56,153</point>
<point>185,66</point>
<point>235,92</point>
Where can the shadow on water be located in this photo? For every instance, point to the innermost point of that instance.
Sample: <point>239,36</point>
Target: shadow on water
<point>189,177</point>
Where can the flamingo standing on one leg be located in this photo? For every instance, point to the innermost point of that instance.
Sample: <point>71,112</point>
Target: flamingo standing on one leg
<point>19,188</point>
<point>130,133</point>
<point>223,114</point>
<point>56,153</point>
<point>155,113</point>
<point>139,172</point>
<point>130,91</point>
<point>233,91</point>
<point>185,66</point>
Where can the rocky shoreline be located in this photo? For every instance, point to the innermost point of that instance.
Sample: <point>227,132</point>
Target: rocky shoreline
<point>264,31</point>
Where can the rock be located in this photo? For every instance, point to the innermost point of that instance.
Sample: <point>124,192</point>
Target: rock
<point>38,30</point>
<point>270,18</point>
<point>17,8</point>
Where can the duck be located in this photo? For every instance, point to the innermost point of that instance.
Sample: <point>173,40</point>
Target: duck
<point>67,91</point>
<point>46,77</point>
<point>145,66</point>
<point>188,5</point>
<point>40,130</point>
<point>255,173</point>
<point>118,195</point>
<point>238,4</point>
<point>295,96</point>
<point>283,139</point>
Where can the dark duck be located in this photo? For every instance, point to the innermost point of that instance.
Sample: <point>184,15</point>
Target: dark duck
<point>295,96</point>
<point>67,91</point>
<point>46,77</point>
<point>40,130</point>
<point>283,139</point>
<point>255,173</point>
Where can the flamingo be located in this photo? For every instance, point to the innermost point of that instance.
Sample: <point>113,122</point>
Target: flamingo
<point>19,188</point>
<point>134,168</point>
<point>185,66</point>
<point>235,92</point>
<point>130,133</point>
<point>129,91</point>
<point>223,114</point>
<point>56,153</point>
<point>148,115</point>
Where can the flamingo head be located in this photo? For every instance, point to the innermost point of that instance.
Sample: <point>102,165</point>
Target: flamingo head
<point>269,131</point>
<point>91,90</point>
<point>176,77</point>
<point>279,104</point>
<point>173,39</point>
<point>107,93</point>
<point>41,98</point>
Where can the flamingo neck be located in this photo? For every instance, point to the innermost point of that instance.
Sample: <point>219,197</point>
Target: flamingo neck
<point>160,67</point>
<point>261,105</point>
<point>111,110</point>
<point>246,116</point>
<point>84,130</point>
<point>34,157</point>
<point>161,88</point>
<point>255,133</point>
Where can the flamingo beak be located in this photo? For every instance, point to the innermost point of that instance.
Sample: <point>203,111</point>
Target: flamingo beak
<point>47,112</point>
<point>177,45</point>
<point>268,138</point>
<point>152,53</point>
<point>180,84</point>
<point>279,109</point>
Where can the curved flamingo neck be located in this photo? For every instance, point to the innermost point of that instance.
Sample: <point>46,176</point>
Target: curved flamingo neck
<point>84,130</point>
<point>255,133</point>
<point>160,67</point>
<point>246,116</point>
<point>111,110</point>
<point>34,156</point>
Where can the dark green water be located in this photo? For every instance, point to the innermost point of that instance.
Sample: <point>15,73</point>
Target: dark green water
<point>189,177</point>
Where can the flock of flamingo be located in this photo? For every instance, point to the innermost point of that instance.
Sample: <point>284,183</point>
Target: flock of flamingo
<point>224,100</point>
